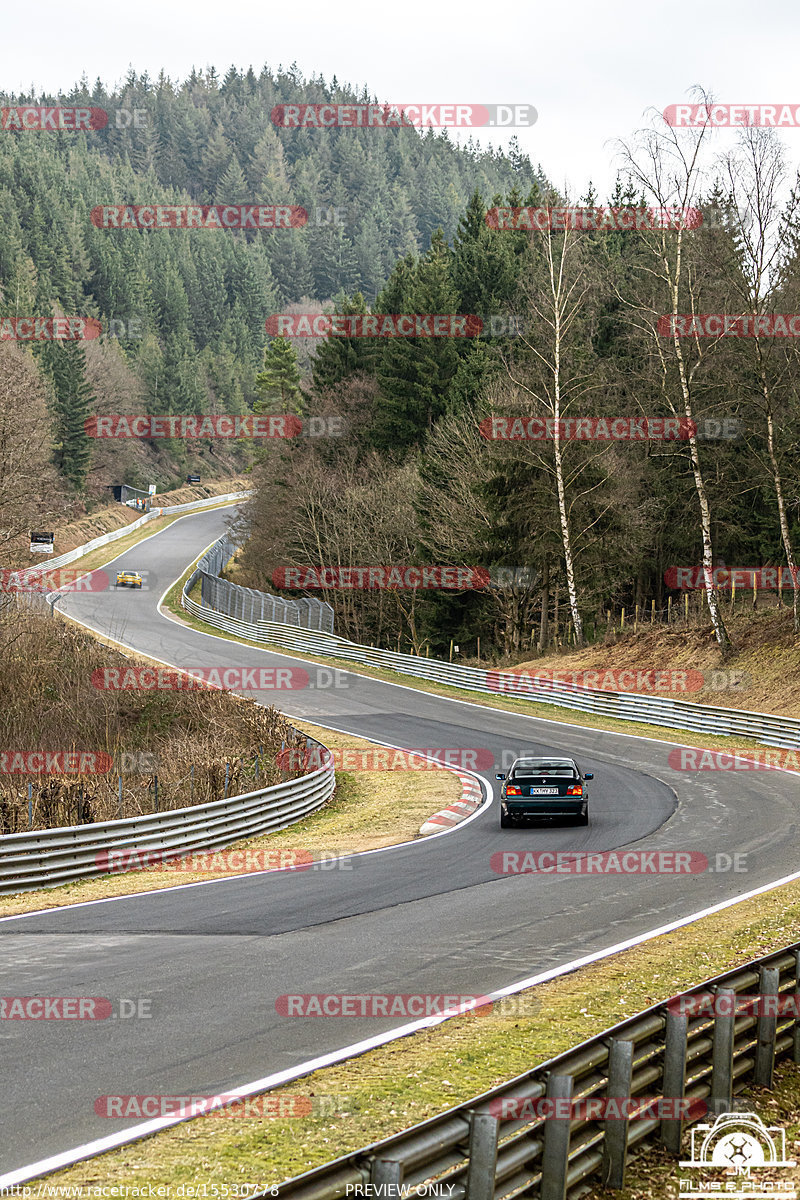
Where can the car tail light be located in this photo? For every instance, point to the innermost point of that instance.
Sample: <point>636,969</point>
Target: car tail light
<point>575,790</point>
<point>513,790</point>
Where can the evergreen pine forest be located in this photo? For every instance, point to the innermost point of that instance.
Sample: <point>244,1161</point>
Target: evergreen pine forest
<point>571,531</point>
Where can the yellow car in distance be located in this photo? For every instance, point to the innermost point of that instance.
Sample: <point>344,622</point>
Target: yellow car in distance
<point>129,579</point>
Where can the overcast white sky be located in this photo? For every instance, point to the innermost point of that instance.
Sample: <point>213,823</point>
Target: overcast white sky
<point>591,69</point>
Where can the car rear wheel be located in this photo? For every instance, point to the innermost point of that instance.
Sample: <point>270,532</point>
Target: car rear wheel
<point>506,822</point>
<point>582,818</point>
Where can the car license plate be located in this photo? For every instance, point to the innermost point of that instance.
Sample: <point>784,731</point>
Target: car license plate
<point>543,791</point>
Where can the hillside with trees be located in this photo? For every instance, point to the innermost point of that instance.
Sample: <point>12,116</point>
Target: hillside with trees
<point>183,311</point>
<point>573,531</point>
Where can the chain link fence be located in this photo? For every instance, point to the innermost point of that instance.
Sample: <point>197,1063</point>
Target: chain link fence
<point>248,604</point>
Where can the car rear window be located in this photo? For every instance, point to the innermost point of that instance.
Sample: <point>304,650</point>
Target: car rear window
<point>558,770</point>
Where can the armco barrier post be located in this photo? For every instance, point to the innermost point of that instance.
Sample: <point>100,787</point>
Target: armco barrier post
<point>766,1028</point>
<point>484,1130</point>
<point>615,1132</point>
<point>796,1044</point>
<point>438,1149</point>
<point>674,1081</point>
<point>765,728</point>
<point>387,1177</point>
<point>722,1055</point>
<point>555,1154</point>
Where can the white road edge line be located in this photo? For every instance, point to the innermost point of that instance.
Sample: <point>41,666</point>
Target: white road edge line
<point>135,1132</point>
<point>487,802</point>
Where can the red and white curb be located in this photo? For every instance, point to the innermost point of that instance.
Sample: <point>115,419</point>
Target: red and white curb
<point>459,810</point>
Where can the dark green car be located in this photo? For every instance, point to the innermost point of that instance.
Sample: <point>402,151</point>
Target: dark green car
<point>544,787</point>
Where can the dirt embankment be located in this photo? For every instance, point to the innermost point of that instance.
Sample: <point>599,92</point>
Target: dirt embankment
<point>762,674</point>
<point>114,516</point>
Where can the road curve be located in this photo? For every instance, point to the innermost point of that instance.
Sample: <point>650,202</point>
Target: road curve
<point>427,917</point>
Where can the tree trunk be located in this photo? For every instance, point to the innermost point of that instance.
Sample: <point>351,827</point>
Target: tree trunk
<point>712,598</point>
<point>544,631</point>
<point>566,540</point>
<point>784,523</point>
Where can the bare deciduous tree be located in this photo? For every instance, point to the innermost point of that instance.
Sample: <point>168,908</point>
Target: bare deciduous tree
<point>756,176</point>
<point>666,164</point>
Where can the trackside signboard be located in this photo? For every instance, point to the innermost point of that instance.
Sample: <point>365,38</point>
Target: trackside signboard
<point>42,543</point>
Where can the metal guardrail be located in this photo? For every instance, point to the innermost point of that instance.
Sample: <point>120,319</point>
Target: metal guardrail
<point>248,604</point>
<point>41,599</point>
<point>49,857</point>
<point>765,728</point>
<point>661,1053</point>
<point>106,538</point>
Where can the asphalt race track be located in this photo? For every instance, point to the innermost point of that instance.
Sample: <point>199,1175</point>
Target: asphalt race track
<point>427,917</point>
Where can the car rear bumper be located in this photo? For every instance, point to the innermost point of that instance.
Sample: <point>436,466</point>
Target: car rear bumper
<point>554,807</point>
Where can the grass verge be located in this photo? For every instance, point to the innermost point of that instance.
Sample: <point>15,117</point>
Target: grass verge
<point>526,708</point>
<point>105,554</point>
<point>388,1089</point>
<point>363,814</point>
<point>110,516</point>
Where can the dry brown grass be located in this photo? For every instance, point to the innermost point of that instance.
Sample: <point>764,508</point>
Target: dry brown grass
<point>764,649</point>
<point>115,516</point>
<point>369,809</point>
<point>49,703</point>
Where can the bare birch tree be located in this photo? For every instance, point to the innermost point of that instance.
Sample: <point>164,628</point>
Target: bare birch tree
<point>552,371</point>
<point>756,177</point>
<point>666,165</point>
